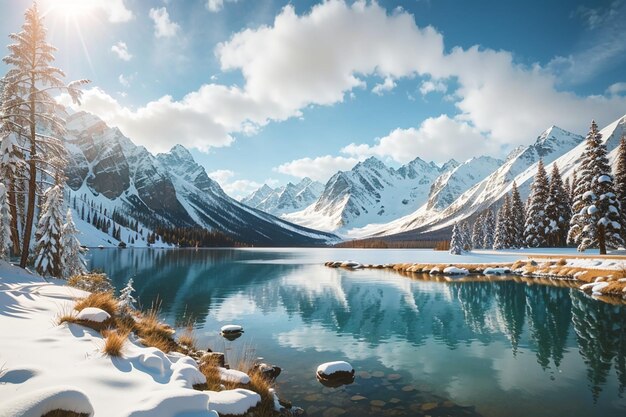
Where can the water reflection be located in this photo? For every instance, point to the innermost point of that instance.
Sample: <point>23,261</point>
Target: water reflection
<point>476,341</point>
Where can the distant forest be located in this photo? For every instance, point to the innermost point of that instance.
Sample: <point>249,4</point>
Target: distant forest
<point>406,244</point>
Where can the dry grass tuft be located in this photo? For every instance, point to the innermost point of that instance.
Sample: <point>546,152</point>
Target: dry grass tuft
<point>187,340</point>
<point>114,342</point>
<point>155,333</point>
<point>92,282</point>
<point>562,262</point>
<point>103,300</point>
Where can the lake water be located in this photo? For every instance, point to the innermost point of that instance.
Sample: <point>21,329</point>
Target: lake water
<point>420,347</point>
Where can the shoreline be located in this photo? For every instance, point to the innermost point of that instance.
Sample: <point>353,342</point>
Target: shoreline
<point>602,277</point>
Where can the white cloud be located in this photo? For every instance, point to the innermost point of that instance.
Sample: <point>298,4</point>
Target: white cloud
<point>217,5</point>
<point>160,124</point>
<point>221,175</point>
<point>387,85</point>
<point>117,11</point>
<point>321,57</point>
<point>616,89</point>
<point>431,86</point>
<point>438,139</point>
<point>238,188</point>
<point>125,81</point>
<point>163,26</point>
<point>319,169</point>
<point>121,50</point>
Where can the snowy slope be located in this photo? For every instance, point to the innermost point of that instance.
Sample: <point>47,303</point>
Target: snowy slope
<point>554,145</point>
<point>108,173</point>
<point>371,192</point>
<point>285,199</point>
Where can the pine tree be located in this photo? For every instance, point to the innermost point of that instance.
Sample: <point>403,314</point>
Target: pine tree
<point>572,188</point>
<point>48,236</point>
<point>502,239</point>
<point>535,227</point>
<point>596,219</point>
<point>467,236</point>
<point>71,254</point>
<point>126,300</point>
<point>456,243</point>
<point>11,165</point>
<point>5,223</point>
<point>489,229</point>
<point>558,211</point>
<point>518,219</point>
<point>477,233</point>
<point>620,183</point>
<point>28,107</point>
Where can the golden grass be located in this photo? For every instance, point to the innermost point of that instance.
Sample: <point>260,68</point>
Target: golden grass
<point>92,282</point>
<point>187,339</point>
<point>114,342</point>
<point>103,300</point>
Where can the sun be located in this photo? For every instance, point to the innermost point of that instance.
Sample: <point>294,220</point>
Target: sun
<point>73,9</point>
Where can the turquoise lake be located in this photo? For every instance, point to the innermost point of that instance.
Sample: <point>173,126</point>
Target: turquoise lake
<point>419,347</point>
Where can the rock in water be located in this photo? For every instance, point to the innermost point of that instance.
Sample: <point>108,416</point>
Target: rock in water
<point>335,374</point>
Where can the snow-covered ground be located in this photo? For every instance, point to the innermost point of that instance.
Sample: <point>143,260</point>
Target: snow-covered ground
<point>46,366</point>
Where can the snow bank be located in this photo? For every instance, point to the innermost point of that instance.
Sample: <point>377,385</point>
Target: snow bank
<point>236,402</point>
<point>94,314</point>
<point>329,368</point>
<point>44,363</point>
<point>173,402</point>
<point>39,402</point>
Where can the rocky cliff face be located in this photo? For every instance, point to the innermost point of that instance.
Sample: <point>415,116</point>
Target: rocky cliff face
<point>167,189</point>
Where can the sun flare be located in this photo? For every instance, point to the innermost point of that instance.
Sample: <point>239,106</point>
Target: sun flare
<point>73,8</point>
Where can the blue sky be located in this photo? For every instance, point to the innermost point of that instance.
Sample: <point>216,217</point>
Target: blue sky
<point>270,91</point>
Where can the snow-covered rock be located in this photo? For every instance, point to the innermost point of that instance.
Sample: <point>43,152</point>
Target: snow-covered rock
<point>94,314</point>
<point>42,401</point>
<point>496,271</point>
<point>233,375</point>
<point>231,328</point>
<point>453,270</point>
<point>329,369</point>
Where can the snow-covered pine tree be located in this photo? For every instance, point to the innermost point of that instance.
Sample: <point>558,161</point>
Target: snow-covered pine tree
<point>48,236</point>
<point>126,300</point>
<point>71,253</point>
<point>28,107</point>
<point>489,228</point>
<point>467,235</point>
<point>567,187</point>
<point>477,232</point>
<point>518,219</point>
<point>502,239</point>
<point>5,223</point>
<point>456,243</point>
<point>620,182</point>
<point>558,211</point>
<point>572,188</point>
<point>535,227</point>
<point>596,219</point>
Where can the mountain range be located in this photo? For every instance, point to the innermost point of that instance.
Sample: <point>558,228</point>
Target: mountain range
<point>109,174</point>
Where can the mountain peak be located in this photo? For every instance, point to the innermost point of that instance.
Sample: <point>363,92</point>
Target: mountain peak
<point>372,162</point>
<point>180,152</point>
<point>450,165</point>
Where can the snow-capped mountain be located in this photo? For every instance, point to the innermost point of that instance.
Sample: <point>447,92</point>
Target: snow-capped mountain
<point>555,145</point>
<point>109,170</point>
<point>285,199</point>
<point>371,192</point>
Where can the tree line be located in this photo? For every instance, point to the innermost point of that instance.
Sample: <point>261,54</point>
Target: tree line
<point>587,211</point>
